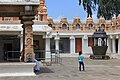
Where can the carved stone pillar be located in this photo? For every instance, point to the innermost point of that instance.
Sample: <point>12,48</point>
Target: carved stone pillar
<point>72,44</point>
<point>26,20</point>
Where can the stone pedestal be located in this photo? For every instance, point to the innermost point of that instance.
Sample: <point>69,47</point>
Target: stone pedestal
<point>99,50</point>
<point>16,69</point>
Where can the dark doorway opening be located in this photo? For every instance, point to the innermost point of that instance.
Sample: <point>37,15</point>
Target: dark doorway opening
<point>7,47</point>
<point>116,42</point>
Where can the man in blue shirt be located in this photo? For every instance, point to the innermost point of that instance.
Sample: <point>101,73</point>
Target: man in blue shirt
<point>80,59</point>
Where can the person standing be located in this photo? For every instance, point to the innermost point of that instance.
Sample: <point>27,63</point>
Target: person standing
<point>80,59</point>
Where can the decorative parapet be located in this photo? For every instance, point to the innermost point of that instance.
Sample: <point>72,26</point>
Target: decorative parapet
<point>113,22</point>
<point>51,23</point>
<point>19,2</point>
<point>64,25</point>
<point>89,25</point>
<point>76,25</point>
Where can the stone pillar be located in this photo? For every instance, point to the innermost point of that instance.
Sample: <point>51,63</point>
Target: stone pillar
<point>72,44</point>
<point>26,20</point>
<point>84,44</point>
<point>47,49</point>
<point>99,41</point>
<point>113,45</point>
<point>109,45</point>
<point>21,41</point>
<point>57,43</point>
<point>96,42</point>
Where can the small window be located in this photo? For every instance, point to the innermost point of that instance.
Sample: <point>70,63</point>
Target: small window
<point>77,26</point>
<point>64,26</point>
<point>102,26</point>
<point>90,26</point>
<point>41,17</point>
<point>50,25</point>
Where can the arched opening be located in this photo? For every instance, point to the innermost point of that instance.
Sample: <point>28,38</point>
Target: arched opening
<point>64,26</point>
<point>50,25</point>
<point>77,26</point>
<point>90,26</point>
<point>102,26</point>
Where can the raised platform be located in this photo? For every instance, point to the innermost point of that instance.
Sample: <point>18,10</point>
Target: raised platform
<point>16,69</point>
<point>105,57</point>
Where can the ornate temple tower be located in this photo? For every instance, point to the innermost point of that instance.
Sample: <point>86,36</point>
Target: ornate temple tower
<point>42,11</point>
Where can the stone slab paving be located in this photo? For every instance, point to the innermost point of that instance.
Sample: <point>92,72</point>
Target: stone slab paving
<point>68,70</point>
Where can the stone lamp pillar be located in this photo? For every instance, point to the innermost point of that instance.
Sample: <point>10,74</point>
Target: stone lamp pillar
<point>100,44</point>
<point>26,20</point>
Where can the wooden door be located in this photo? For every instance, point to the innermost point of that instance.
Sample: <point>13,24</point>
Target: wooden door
<point>78,44</point>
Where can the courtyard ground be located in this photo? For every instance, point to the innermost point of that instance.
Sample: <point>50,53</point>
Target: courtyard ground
<point>68,70</point>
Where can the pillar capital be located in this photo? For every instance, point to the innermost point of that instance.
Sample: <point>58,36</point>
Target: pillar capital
<point>72,37</point>
<point>47,37</point>
<point>85,37</point>
<point>117,36</point>
<point>112,37</point>
<point>57,38</point>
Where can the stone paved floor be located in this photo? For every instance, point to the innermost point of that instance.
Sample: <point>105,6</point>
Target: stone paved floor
<point>68,70</point>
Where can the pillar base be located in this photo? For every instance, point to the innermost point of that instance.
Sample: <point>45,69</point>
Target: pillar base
<point>99,50</point>
<point>105,57</point>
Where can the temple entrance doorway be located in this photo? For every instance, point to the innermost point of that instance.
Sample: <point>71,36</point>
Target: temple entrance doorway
<point>7,47</point>
<point>10,48</point>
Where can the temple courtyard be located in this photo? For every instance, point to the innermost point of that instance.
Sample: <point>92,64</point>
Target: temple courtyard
<point>68,70</point>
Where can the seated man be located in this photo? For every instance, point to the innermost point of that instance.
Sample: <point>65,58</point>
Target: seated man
<point>37,65</point>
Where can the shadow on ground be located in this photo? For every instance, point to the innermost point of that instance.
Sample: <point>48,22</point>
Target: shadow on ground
<point>44,70</point>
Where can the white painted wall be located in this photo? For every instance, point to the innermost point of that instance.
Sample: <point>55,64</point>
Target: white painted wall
<point>85,48</point>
